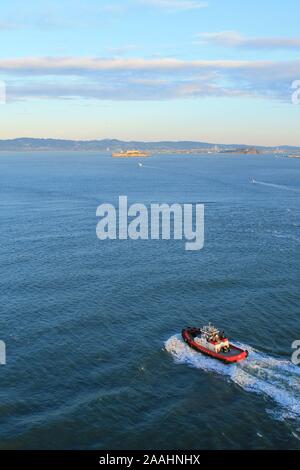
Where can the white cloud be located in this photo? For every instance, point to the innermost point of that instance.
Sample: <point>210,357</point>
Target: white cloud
<point>121,50</point>
<point>145,79</point>
<point>75,65</point>
<point>5,26</point>
<point>173,5</point>
<point>117,8</point>
<point>235,39</point>
<point>127,90</point>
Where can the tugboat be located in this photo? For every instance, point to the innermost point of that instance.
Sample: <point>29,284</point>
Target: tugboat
<point>208,340</point>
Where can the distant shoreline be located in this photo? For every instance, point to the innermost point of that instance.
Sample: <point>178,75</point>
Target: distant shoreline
<point>157,152</point>
<point>160,147</point>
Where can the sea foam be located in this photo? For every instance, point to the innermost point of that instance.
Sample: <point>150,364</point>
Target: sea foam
<point>261,373</point>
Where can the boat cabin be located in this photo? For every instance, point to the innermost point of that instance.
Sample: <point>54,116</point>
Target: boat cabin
<point>212,339</point>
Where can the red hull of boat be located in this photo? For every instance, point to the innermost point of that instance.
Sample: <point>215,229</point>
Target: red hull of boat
<point>188,336</point>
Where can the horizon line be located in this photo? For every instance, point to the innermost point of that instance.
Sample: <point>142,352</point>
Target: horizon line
<point>144,141</point>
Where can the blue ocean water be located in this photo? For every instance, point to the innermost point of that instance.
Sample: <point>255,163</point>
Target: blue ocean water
<point>94,356</point>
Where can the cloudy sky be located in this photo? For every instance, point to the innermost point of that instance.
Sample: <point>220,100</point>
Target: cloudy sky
<point>215,70</point>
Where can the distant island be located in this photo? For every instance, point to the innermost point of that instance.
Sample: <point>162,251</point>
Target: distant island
<point>162,147</point>
<point>130,154</point>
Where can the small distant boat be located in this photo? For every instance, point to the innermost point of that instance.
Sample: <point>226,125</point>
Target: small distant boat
<point>130,154</point>
<point>140,164</point>
<point>208,340</point>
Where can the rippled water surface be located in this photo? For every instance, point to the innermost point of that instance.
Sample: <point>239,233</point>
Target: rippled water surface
<point>92,328</point>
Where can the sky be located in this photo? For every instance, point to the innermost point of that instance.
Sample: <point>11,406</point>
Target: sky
<point>218,71</point>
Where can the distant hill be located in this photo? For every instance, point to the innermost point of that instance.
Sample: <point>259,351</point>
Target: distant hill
<point>109,145</point>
